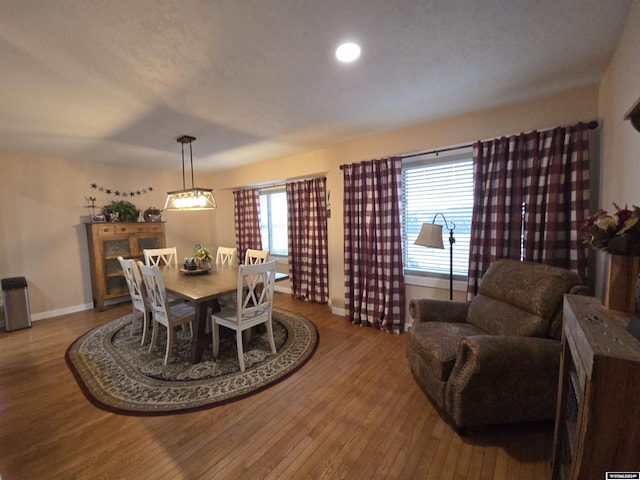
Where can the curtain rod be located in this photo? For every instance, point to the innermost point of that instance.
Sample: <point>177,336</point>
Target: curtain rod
<point>278,183</point>
<point>284,183</point>
<point>591,125</point>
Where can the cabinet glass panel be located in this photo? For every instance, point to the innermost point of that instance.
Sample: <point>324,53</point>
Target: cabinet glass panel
<point>116,285</point>
<point>113,248</point>
<point>148,242</point>
<point>112,267</point>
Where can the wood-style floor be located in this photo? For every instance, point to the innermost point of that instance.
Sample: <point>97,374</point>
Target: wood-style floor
<point>353,411</point>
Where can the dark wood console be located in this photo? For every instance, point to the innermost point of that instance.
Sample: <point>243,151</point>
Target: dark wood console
<point>598,415</point>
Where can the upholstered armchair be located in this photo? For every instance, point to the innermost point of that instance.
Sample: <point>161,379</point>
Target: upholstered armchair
<point>495,359</point>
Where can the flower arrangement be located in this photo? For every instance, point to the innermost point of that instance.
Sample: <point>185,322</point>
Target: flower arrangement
<point>202,254</point>
<point>615,233</point>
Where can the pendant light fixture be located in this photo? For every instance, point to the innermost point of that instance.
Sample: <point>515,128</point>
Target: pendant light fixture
<point>189,199</point>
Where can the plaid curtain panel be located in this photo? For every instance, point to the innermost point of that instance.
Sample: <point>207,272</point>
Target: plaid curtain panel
<point>307,237</point>
<point>374,281</point>
<point>531,193</point>
<point>247,219</point>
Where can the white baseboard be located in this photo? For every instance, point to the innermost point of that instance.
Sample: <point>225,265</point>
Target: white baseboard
<point>337,311</point>
<point>281,289</point>
<point>74,309</point>
<point>61,311</point>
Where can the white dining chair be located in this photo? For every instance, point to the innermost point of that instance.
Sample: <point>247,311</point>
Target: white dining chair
<point>160,256</point>
<point>227,256</point>
<point>254,305</point>
<point>164,314</point>
<point>138,296</point>
<point>252,257</point>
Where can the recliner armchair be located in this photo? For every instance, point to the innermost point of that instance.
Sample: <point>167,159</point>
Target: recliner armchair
<point>496,359</point>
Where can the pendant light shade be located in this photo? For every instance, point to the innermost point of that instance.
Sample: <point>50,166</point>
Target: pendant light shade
<point>189,199</point>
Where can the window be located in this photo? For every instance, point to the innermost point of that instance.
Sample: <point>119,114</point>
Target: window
<point>429,188</point>
<point>273,222</point>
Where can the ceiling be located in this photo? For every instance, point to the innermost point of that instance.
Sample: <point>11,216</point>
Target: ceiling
<point>117,81</point>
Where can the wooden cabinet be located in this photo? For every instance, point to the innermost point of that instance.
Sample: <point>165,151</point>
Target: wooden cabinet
<point>598,409</point>
<point>107,241</point>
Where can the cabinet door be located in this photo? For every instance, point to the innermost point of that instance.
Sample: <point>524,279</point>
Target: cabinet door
<point>148,241</point>
<point>114,279</point>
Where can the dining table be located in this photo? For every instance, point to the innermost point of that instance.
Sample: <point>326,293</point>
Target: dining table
<point>203,289</point>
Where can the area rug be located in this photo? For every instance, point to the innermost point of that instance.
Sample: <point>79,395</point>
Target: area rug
<point>118,374</point>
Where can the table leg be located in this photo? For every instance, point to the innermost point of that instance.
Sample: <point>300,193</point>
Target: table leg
<point>201,339</point>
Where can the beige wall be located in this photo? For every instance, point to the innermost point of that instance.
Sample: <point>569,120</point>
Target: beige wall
<point>619,90</point>
<point>563,109</point>
<point>42,234</point>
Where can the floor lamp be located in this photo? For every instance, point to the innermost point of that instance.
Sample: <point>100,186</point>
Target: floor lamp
<point>431,236</point>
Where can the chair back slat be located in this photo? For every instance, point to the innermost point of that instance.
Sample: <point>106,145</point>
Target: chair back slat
<point>134,282</point>
<point>226,256</point>
<point>253,257</point>
<point>255,289</point>
<point>156,293</point>
<point>160,256</point>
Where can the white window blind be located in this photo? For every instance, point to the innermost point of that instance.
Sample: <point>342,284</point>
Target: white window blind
<point>445,187</point>
<point>273,222</point>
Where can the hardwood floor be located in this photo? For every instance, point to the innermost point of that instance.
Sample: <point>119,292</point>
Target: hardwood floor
<point>353,411</point>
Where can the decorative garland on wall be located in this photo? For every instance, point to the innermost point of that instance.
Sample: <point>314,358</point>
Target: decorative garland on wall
<point>91,199</point>
<point>120,193</point>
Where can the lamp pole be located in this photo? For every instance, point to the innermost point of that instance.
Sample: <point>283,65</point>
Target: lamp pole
<point>451,242</point>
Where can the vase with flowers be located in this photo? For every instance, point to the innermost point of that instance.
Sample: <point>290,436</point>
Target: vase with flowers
<point>203,256</point>
<point>618,234</point>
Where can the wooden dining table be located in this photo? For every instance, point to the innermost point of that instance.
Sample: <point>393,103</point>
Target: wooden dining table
<point>203,289</point>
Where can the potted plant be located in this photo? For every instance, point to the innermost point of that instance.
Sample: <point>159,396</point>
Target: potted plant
<point>121,211</point>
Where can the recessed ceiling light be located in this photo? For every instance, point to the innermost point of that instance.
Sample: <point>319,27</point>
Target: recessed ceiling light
<point>348,52</point>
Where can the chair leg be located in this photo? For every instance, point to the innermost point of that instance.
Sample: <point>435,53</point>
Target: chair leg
<point>240,351</point>
<point>154,336</point>
<point>145,328</point>
<point>272,343</point>
<point>170,335</point>
<point>133,322</point>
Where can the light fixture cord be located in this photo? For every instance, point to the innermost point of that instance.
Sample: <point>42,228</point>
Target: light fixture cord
<point>191,154</point>
<point>183,185</point>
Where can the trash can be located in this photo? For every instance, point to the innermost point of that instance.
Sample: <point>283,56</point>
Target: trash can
<point>15,299</point>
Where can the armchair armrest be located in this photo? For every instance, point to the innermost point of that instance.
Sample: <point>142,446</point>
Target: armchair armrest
<point>503,379</point>
<point>500,354</point>
<point>430,310</point>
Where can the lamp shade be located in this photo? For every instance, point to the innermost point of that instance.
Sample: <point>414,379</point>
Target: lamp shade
<point>190,199</point>
<point>430,236</point>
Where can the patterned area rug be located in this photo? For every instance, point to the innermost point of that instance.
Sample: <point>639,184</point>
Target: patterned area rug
<point>118,374</point>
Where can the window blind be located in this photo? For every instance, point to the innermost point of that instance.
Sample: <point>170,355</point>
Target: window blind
<point>447,188</point>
